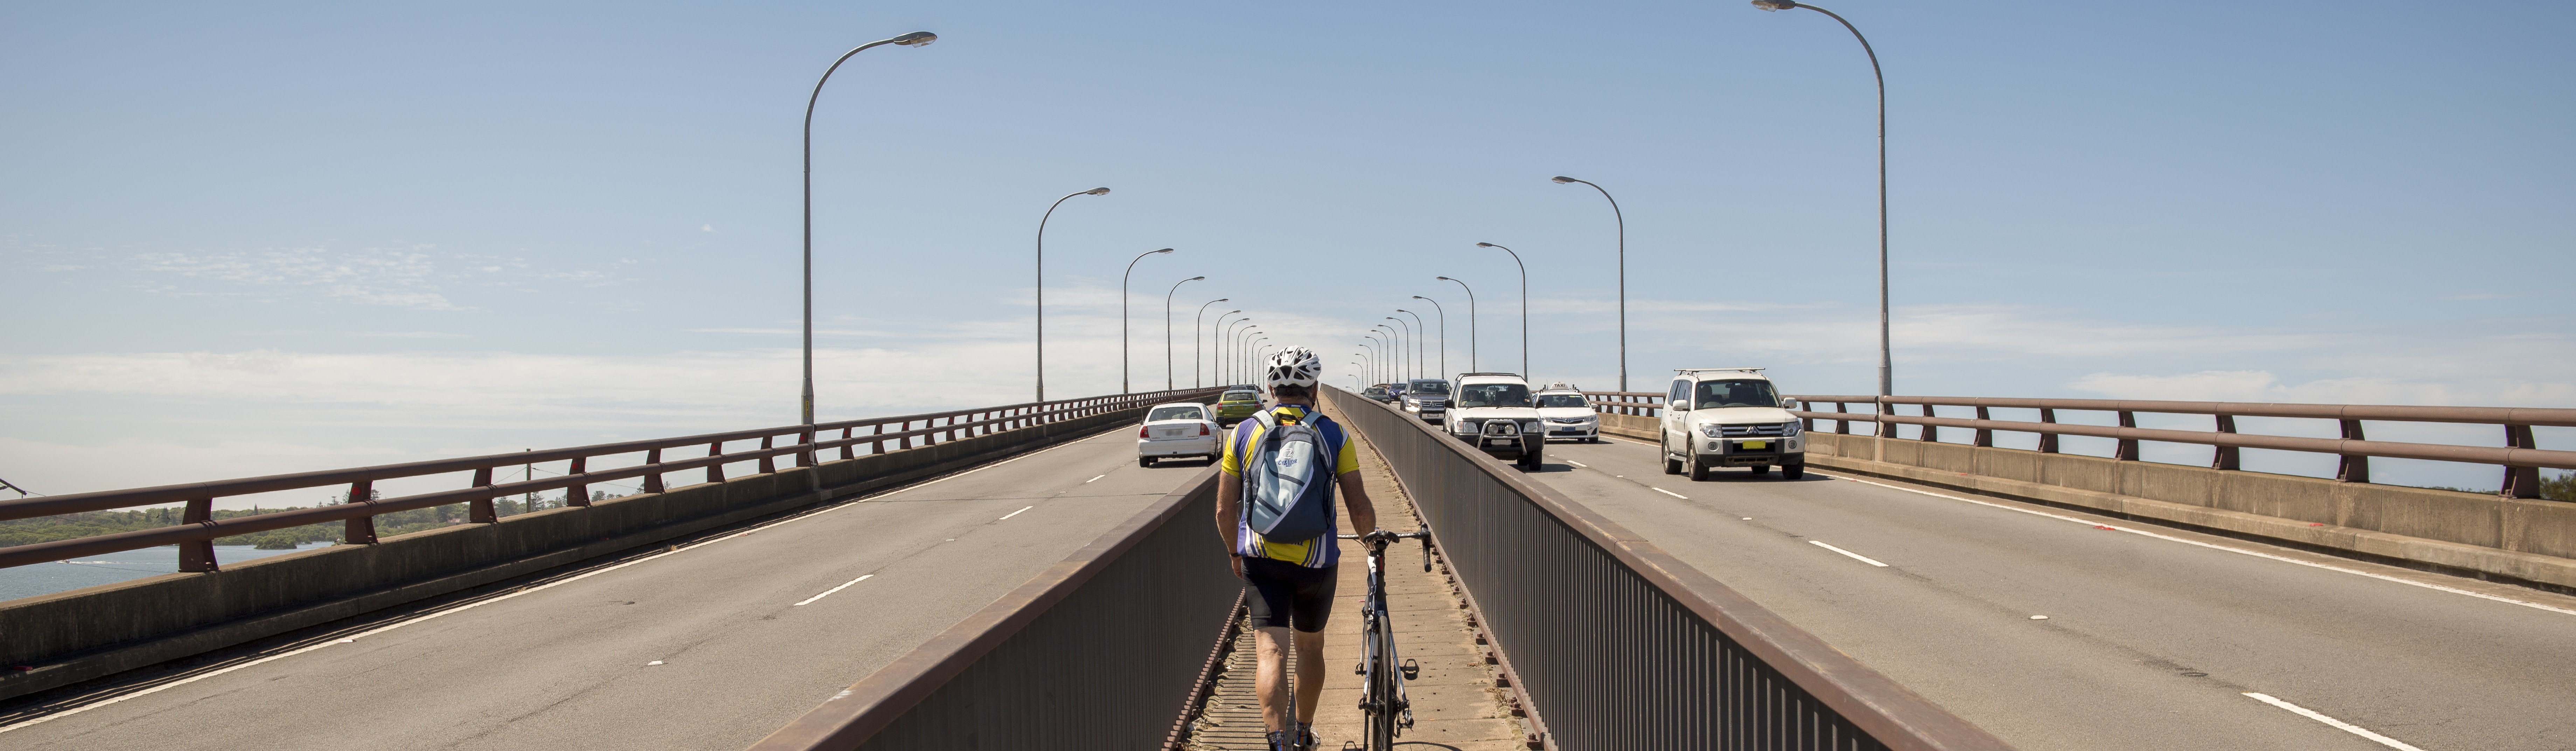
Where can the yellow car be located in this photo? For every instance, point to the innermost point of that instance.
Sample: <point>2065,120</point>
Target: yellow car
<point>1237,406</point>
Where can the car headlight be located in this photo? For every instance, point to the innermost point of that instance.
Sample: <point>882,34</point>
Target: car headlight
<point>1532,426</point>
<point>1792,427</point>
<point>1712,430</point>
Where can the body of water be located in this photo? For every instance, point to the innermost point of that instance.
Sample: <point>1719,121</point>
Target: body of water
<point>60,576</point>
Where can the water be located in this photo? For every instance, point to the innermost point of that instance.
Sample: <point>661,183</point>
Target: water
<point>60,576</point>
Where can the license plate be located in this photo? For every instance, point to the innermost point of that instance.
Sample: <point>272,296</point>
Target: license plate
<point>1171,432</point>
<point>1752,445</point>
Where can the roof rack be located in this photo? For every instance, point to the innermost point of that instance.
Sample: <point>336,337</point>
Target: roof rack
<point>1717,370</point>
<point>1514,375</point>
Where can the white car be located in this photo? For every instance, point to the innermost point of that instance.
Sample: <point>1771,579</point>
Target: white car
<point>1729,417</point>
<point>1491,411</point>
<point>1568,414</point>
<point>1177,430</point>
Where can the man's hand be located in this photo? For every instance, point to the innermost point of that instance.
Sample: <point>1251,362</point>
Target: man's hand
<point>1238,566</point>
<point>1378,538</point>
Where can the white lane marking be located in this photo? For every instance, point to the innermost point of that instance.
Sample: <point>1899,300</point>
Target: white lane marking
<point>2338,724</point>
<point>1087,482</point>
<point>1855,556</point>
<point>828,592</point>
<point>1007,517</point>
<point>653,663</point>
<point>528,591</point>
<point>2255,553</point>
<point>1668,492</point>
<point>1578,464</point>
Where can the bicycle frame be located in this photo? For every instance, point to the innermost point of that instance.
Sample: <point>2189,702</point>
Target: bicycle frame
<point>1388,712</point>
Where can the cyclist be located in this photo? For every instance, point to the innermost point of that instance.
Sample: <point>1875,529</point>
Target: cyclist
<point>1292,580</point>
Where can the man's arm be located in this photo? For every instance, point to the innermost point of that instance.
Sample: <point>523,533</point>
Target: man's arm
<point>1355,496</point>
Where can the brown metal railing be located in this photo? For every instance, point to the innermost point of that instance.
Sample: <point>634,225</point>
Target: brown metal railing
<point>1639,403</point>
<point>1618,644</point>
<point>198,529</point>
<point>2520,459</point>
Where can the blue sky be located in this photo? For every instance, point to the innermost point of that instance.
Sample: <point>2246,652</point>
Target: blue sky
<point>272,237</point>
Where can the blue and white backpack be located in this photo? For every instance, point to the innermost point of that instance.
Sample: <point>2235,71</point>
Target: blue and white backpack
<point>1288,481</point>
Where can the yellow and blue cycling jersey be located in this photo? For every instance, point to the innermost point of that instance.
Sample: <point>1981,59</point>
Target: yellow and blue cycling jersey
<point>1320,552</point>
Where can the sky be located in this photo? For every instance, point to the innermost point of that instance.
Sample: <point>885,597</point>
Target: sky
<point>259,238</point>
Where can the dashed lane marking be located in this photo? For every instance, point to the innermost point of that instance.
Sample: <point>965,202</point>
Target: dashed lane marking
<point>1854,556</point>
<point>1668,492</point>
<point>1007,517</point>
<point>2338,724</point>
<point>828,592</point>
<point>1087,482</point>
<point>1578,464</point>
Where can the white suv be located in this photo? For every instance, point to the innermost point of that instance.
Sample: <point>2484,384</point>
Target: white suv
<point>1567,414</point>
<point>1729,417</point>
<point>1492,411</point>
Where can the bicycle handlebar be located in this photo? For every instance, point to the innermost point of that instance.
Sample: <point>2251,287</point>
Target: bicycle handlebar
<point>1378,541</point>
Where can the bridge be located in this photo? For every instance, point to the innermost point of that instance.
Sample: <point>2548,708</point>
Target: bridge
<point>1009,577</point>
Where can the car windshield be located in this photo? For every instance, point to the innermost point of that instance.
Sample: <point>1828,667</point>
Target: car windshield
<point>1375,390</point>
<point>1493,395</point>
<point>1241,396</point>
<point>1175,413</point>
<point>1740,393</point>
<point>1428,387</point>
<point>1561,400</point>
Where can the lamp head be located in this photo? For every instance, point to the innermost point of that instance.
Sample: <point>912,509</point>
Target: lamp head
<point>917,39</point>
<point>1401,310</point>
<point>1774,4</point>
<point>1193,279</point>
<point>1098,191</point>
<point>1484,245</point>
<point>1561,180</point>
<point>1419,297</point>
<point>1445,279</point>
<point>1165,250</point>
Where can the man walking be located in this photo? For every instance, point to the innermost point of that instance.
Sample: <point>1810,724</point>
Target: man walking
<point>1280,471</point>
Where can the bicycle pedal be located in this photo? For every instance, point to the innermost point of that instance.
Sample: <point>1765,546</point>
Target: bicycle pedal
<point>1412,671</point>
<point>1351,746</point>
<point>1359,669</point>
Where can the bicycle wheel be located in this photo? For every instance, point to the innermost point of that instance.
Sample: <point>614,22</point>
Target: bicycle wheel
<point>1382,678</point>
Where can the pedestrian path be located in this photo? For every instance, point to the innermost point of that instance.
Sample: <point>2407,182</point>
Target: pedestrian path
<point>1455,702</point>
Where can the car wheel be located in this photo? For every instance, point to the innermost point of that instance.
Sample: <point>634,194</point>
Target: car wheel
<point>1698,470</point>
<point>1672,466</point>
<point>1145,461</point>
<point>1793,471</point>
<point>1530,460</point>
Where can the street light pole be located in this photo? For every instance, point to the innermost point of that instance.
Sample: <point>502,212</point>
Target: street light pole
<point>1396,345</point>
<point>1516,261</point>
<point>1471,321</point>
<point>1216,353</point>
<point>1167,330</point>
<point>1886,369</point>
<point>805,409</point>
<point>1225,350</point>
<point>1199,326</point>
<point>1403,336</point>
<point>1380,351</point>
<point>1234,349</point>
<point>1122,315</point>
<point>1444,334</point>
<point>1417,340</point>
<point>1623,273</point>
<point>1040,267</point>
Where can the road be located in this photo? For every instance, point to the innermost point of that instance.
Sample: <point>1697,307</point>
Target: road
<point>708,647</point>
<point>2152,637</point>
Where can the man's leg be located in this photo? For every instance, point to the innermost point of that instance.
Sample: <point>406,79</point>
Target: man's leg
<point>1310,674</point>
<point>1270,673</point>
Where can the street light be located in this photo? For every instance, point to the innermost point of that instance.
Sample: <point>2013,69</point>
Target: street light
<point>1122,315</point>
<point>1417,340</point>
<point>1516,261</point>
<point>1225,364</point>
<point>805,411</point>
<point>1380,351</point>
<point>1167,329</point>
<point>1886,376</point>
<point>1444,333</point>
<point>1471,321</point>
<point>1623,273</point>
<point>1371,355</point>
<point>1198,326</point>
<point>1216,354</point>
<point>1395,345</point>
<point>1402,337</point>
<point>1242,344</point>
<point>1041,279</point>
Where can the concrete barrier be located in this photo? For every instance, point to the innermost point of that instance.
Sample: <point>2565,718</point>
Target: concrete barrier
<point>64,638</point>
<point>2469,533</point>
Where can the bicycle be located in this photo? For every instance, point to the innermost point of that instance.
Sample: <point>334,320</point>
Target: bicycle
<point>1387,710</point>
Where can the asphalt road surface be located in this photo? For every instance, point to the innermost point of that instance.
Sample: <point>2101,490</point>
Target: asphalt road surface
<point>709,647</point>
<point>2153,637</point>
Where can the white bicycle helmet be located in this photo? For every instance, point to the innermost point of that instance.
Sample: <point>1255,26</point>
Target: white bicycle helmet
<point>1294,366</point>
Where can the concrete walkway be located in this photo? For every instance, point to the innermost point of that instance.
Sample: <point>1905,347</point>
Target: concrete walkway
<point>1455,703</point>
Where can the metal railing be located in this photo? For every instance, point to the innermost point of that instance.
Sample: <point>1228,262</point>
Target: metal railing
<point>1618,644</point>
<point>2519,457</point>
<point>1098,652</point>
<point>197,530</point>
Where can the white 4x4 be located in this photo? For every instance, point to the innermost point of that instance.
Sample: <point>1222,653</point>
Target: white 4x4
<point>1729,417</point>
<point>1492,411</point>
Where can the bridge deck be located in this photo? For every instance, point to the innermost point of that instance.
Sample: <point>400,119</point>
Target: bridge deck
<point>2131,618</point>
<point>703,648</point>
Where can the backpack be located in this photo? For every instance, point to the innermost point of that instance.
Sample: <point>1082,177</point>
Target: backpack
<point>1288,481</point>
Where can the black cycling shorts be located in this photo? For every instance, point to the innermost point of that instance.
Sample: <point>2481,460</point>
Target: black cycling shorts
<point>1281,589</point>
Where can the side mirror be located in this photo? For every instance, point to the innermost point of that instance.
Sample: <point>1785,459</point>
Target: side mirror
<point>1677,406</point>
<point>1789,404</point>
